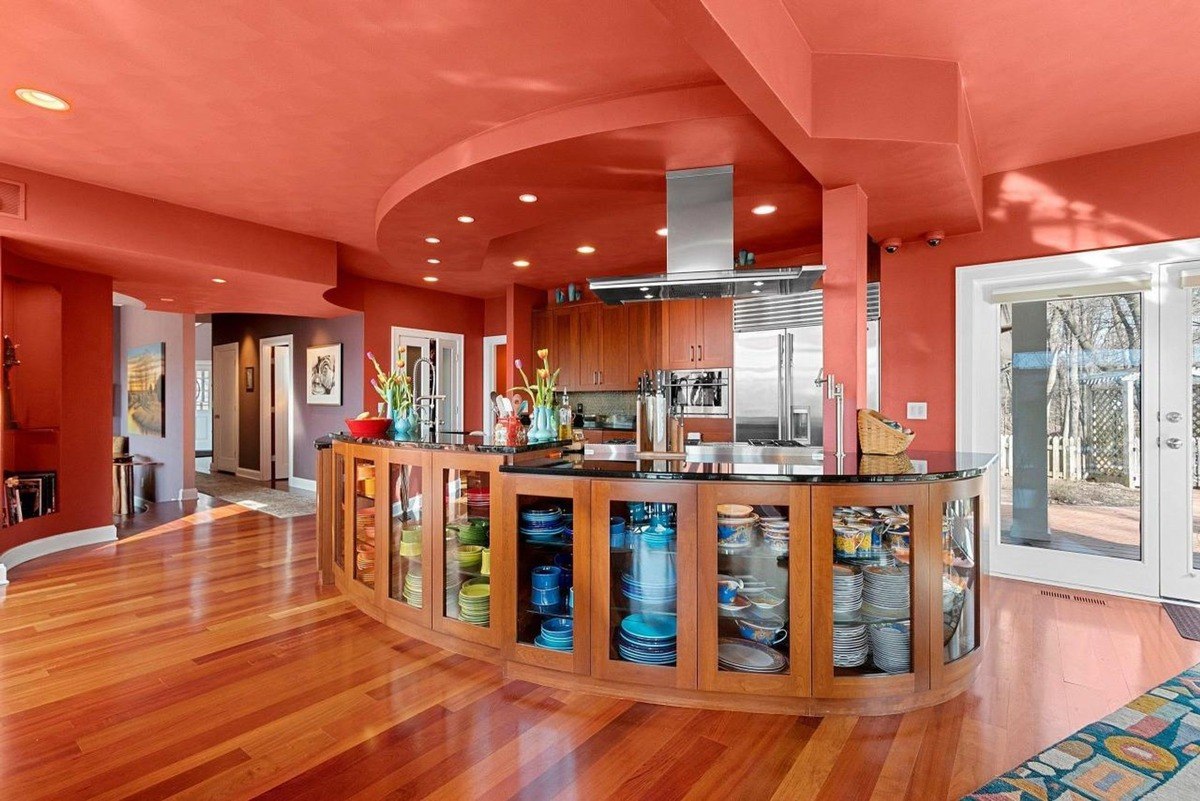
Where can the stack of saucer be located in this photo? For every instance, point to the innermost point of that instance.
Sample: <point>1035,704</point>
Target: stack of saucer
<point>412,587</point>
<point>886,592</point>
<point>891,647</point>
<point>849,646</point>
<point>479,501</point>
<point>847,592</point>
<point>475,601</point>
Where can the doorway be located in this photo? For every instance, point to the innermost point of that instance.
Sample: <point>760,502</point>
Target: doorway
<point>225,408</point>
<point>1079,371</point>
<point>276,408</point>
<point>434,362</point>
<point>204,410</point>
<point>495,370</point>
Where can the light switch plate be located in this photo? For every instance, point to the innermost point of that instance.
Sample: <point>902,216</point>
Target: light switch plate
<point>917,411</point>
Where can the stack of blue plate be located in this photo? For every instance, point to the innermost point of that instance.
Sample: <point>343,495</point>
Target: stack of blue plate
<point>558,634</point>
<point>648,592</point>
<point>648,639</point>
<point>542,525</point>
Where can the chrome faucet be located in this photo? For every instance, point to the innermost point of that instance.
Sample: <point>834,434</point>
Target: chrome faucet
<point>426,405</point>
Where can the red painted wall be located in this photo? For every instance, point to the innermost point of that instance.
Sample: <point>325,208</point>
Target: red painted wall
<point>386,305</point>
<point>85,378</point>
<point>1130,196</point>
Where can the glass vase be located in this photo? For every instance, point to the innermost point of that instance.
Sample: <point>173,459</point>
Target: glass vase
<point>543,427</point>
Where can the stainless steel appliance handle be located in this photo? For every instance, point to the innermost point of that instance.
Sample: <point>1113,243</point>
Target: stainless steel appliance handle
<point>781,375</point>
<point>789,391</point>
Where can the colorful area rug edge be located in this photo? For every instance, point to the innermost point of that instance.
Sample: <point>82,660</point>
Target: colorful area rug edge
<point>1145,750</point>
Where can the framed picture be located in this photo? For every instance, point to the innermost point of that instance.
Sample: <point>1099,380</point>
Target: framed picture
<point>145,384</point>
<point>325,375</point>
<point>249,379</point>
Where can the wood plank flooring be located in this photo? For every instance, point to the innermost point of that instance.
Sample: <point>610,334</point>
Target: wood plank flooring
<point>198,659</point>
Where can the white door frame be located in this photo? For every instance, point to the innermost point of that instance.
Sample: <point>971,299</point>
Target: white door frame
<point>200,364</point>
<point>264,405</point>
<point>235,412</point>
<point>977,398</point>
<point>489,372</point>
<point>456,419</point>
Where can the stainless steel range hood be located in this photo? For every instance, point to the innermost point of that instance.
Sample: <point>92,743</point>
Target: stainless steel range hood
<point>700,250</point>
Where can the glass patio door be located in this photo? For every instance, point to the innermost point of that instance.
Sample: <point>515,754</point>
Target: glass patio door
<point>1079,391</point>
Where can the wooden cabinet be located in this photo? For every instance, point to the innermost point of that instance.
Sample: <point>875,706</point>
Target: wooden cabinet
<point>564,352</point>
<point>602,347</point>
<point>541,332</point>
<point>643,338</point>
<point>614,348</point>
<point>698,334</point>
<point>591,357</point>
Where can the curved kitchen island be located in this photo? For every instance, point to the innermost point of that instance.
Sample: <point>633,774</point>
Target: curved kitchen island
<point>755,580</point>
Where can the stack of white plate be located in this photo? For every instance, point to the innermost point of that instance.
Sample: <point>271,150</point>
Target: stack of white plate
<point>886,593</point>
<point>849,646</point>
<point>847,591</point>
<point>891,647</point>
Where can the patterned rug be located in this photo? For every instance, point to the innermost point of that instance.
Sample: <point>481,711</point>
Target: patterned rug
<point>255,495</point>
<point>1145,750</point>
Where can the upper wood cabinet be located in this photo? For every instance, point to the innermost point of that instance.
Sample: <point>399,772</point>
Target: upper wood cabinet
<point>698,334</point>
<point>601,347</point>
<point>564,353</point>
<point>644,337</point>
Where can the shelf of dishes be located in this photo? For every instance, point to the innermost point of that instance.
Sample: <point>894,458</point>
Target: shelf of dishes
<point>644,582</point>
<point>339,516</point>
<point>545,562</point>
<point>405,582</point>
<point>960,578</point>
<point>752,588</point>
<point>364,522</point>
<point>467,546</point>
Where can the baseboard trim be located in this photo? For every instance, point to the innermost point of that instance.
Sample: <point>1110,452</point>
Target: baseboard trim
<point>246,472</point>
<point>53,544</point>
<point>303,484</point>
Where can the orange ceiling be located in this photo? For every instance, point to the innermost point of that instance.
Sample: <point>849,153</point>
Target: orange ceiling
<point>375,123</point>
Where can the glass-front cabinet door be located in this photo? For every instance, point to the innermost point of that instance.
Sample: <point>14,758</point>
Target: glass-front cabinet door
<point>362,519</point>
<point>465,546</point>
<point>340,508</point>
<point>405,509</point>
<point>643,588</point>
<point>753,592</point>
<point>956,622</point>
<point>548,520</point>
<point>870,619</point>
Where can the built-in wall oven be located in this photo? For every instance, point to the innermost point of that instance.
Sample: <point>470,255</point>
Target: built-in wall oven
<point>701,393</point>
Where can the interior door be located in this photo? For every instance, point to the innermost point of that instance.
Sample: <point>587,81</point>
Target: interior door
<point>204,406</point>
<point>225,408</point>
<point>1179,428</point>
<point>281,398</point>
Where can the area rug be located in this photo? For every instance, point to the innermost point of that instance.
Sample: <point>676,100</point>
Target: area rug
<point>1186,620</point>
<point>256,496</point>
<point>1145,750</point>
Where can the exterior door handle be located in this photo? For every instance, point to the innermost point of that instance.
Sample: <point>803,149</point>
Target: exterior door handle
<point>1174,443</point>
<point>1174,417</point>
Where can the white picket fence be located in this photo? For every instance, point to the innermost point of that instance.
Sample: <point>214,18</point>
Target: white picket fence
<point>1065,460</point>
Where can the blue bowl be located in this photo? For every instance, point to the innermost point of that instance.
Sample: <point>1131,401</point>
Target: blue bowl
<point>559,625</point>
<point>546,597</point>
<point>545,577</point>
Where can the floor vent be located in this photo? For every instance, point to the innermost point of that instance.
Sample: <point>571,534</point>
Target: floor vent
<point>12,199</point>
<point>1066,596</point>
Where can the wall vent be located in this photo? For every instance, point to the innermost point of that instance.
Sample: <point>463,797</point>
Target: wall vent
<point>1083,599</point>
<point>12,199</point>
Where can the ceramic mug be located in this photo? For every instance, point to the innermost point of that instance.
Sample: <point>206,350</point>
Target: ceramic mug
<point>845,540</point>
<point>546,577</point>
<point>485,566</point>
<point>727,590</point>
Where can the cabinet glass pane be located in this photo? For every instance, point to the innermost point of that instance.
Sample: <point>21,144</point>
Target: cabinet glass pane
<point>405,501</point>
<point>643,581</point>
<point>339,505</point>
<point>752,592</point>
<point>960,578</point>
<point>467,537</point>
<point>364,521</point>
<point>545,577</point>
<point>872,590</point>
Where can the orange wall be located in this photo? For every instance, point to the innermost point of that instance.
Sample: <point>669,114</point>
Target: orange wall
<point>385,305</point>
<point>85,377</point>
<point>1122,197</point>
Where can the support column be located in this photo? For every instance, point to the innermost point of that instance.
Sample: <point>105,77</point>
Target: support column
<point>844,253</point>
<point>519,303</point>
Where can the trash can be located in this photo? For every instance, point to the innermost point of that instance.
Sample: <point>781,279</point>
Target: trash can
<point>123,486</point>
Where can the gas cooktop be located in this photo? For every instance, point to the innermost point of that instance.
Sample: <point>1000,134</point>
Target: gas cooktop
<point>776,443</point>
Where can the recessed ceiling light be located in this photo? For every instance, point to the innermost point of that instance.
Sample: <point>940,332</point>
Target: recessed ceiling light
<point>585,249</point>
<point>36,97</point>
<point>466,218</point>
<point>167,300</point>
<point>661,232</point>
<point>521,263</point>
<point>434,261</point>
<point>758,283</point>
<point>527,198</point>
<point>765,208</point>
<point>218,281</point>
<point>431,279</point>
<point>433,240</point>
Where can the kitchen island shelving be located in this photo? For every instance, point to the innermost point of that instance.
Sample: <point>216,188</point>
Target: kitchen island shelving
<point>841,589</point>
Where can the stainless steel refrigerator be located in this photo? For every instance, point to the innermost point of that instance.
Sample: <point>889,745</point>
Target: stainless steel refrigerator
<point>777,362</point>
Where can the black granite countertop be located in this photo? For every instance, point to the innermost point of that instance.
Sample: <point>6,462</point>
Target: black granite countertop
<point>804,466</point>
<point>442,441</point>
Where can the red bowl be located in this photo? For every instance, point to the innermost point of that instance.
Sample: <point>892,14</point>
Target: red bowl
<point>369,427</point>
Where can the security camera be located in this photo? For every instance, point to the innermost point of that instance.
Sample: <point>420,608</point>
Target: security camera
<point>892,244</point>
<point>934,238</point>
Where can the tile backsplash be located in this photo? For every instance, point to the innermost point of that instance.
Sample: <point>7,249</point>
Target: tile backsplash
<point>604,402</point>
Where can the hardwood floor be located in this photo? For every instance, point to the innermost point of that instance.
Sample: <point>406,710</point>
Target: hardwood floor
<point>198,659</point>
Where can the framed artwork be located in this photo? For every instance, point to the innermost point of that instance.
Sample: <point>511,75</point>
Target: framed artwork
<point>145,383</point>
<point>325,375</point>
<point>249,379</point>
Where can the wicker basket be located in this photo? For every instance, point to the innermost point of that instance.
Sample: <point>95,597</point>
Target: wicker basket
<point>877,437</point>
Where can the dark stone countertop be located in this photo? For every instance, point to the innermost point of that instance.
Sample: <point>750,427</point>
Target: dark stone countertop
<point>442,441</point>
<point>803,466</point>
